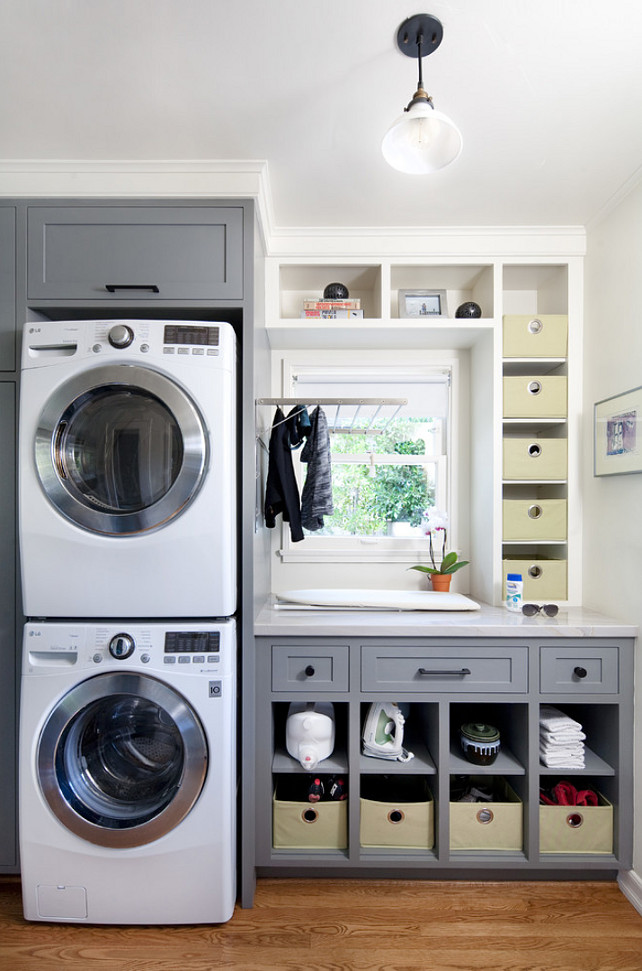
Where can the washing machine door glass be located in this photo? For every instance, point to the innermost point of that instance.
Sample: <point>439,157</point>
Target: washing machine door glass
<point>122,759</point>
<point>121,449</point>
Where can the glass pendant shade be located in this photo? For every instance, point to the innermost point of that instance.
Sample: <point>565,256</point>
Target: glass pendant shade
<point>422,140</point>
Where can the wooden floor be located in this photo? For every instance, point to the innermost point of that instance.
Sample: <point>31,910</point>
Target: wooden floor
<point>341,925</point>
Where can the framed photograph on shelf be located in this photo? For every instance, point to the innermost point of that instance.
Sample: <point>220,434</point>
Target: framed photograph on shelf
<point>422,303</point>
<point>618,434</point>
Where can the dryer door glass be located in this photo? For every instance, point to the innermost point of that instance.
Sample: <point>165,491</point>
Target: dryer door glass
<point>122,759</point>
<point>121,450</point>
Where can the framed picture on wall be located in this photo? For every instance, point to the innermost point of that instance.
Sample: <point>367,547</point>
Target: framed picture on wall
<point>618,434</point>
<point>422,303</point>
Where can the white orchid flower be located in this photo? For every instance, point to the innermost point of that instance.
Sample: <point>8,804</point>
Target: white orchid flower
<point>435,520</point>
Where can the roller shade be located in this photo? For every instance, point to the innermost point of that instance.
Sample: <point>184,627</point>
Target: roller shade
<point>427,390</point>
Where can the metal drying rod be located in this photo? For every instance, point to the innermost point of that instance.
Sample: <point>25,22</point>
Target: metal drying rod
<point>338,403</point>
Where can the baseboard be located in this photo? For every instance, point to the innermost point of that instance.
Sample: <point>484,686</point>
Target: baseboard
<point>631,886</point>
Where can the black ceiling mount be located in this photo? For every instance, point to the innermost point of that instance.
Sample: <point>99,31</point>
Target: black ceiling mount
<point>422,26</point>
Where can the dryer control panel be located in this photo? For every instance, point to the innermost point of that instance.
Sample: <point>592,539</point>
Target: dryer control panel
<point>184,648</point>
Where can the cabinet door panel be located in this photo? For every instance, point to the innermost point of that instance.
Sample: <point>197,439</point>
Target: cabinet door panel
<point>186,253</point>
<point>7,289</point>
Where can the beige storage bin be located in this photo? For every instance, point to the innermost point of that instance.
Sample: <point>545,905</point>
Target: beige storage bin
<point>534,520</point>
<point>496,825</point>
<point>544,579</point>
<point>576,829</point>
<point>540,335</point>
<point>402,816</point>
<point>545,459</point>
<point>306,825</point>
<point>535,396</point>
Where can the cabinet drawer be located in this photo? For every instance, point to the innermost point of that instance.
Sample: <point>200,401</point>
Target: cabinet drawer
<point>535,396</point>
<point>534,520</point>
<point>545,335</point>
<point>444,669</point>
<point>535,458</point>
<point>187,253</point>
<point>579,670</point>
<point>309,669</point>
<point>544,579</point>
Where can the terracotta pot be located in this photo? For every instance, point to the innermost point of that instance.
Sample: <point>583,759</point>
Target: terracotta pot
<point>441,581</point>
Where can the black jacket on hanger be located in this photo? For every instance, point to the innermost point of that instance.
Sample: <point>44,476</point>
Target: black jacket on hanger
<point>282,492</point>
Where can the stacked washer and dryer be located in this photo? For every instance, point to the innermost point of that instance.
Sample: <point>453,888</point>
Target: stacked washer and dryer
<point>128,556</point>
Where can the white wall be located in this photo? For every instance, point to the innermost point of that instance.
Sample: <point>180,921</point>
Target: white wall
<point>612,506</point>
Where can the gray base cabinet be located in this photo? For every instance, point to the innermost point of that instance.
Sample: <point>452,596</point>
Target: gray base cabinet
<point>409,818</point>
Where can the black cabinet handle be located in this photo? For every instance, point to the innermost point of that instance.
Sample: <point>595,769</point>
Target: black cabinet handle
<point>580,672</point>
<point>309,671</point>
<point>457,674</point>
<point>112,287</point>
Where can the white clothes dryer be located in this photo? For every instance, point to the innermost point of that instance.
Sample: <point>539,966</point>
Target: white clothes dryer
<point>127,772</point>
<point>127,469</point>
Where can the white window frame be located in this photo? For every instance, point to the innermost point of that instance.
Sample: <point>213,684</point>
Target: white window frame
<point>390,549</point>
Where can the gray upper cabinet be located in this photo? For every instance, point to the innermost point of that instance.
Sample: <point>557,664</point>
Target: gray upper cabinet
<point>125,253</point>
<point>7,288</point>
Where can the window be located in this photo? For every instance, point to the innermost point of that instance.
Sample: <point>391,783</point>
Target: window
<point>390,462</point>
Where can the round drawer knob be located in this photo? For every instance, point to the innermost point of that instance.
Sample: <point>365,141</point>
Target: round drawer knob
<point>580,672</point>
<point>309,671</point>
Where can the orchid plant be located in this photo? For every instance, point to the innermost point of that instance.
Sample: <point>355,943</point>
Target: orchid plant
<point>436,524</point>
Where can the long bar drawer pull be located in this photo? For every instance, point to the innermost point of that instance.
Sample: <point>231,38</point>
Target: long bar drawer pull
<point>112,287</point>
<point>457,674</point>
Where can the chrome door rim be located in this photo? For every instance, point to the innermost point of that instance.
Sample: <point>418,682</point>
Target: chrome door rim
<point>178,496</point>
<point>195,760</point>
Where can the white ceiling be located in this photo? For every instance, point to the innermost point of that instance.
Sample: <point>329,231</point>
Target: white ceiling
<point>547,94</point>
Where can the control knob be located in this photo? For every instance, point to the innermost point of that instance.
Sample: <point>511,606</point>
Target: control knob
<point>121,646</point>
<point>120,336</point>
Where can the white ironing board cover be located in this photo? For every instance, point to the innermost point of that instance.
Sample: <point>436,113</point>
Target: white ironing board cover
<point>379,599</point>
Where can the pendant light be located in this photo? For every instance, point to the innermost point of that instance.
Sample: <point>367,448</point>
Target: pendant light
<point>423,139</point>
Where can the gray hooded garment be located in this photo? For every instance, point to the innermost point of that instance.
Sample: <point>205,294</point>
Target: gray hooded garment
<point>316,498</point>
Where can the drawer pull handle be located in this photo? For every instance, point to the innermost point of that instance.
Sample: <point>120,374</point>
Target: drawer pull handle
<point>455,674</point>
<point>112,287</point>
<point>309,671</point>
<point>580,672</point>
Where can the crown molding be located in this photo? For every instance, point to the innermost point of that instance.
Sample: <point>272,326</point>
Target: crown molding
<point>141,178</point>
<point>243,178</point>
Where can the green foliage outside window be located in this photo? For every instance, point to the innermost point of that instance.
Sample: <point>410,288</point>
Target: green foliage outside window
<point>368,496</point>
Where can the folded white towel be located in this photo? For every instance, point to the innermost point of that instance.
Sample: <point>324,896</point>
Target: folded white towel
<point>555,738</point>
<point>558,762</point>
<point>552,719</point>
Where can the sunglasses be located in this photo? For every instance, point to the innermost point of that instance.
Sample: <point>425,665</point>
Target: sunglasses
<point>531,609</point>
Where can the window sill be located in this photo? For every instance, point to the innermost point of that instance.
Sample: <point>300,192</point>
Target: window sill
<point>369,554</point>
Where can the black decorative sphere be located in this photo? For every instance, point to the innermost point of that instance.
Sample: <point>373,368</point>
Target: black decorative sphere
<point>468,309</point>
<point>336,291</point>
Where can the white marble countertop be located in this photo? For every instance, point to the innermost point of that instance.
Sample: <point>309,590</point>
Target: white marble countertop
<point>488,621</point>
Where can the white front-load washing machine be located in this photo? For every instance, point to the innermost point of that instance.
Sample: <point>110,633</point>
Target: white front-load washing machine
<point>127,469</point>
<point>127,772</point>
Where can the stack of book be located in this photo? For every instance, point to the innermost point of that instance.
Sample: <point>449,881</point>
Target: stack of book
<point>332,309</point>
